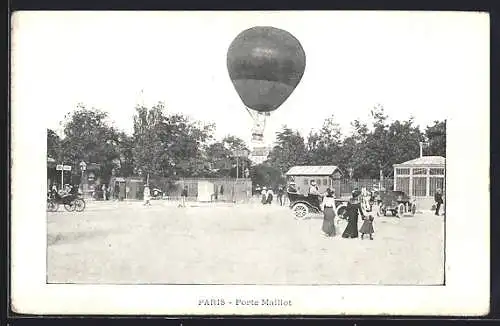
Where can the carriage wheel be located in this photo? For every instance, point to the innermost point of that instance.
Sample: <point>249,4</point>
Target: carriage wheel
<point>52,206</point>
<point>401,210</point>
<point>79,205</point>
<point>300,211</point>
<point>70,207</point>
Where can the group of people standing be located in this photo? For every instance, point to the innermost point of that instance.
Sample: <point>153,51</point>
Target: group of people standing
<point>353,211</point>
<point>267,195</point>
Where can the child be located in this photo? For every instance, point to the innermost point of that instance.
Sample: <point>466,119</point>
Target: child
<point>367,227</point>
<point>147,195</point>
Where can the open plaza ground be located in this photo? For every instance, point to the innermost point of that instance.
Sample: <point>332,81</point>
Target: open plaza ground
<point>128,243</point>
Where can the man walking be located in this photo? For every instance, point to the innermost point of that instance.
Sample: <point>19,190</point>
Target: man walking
<point>438,198</point>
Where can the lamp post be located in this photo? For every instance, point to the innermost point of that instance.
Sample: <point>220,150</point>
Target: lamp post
<point>83,168</point>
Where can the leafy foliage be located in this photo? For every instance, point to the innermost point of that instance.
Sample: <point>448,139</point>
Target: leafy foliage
<point>436,138</point>
<point>167,144</point>
<point>369,149</point>
<point>89,137</point>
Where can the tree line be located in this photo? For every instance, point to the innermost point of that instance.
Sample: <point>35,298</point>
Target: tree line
<point>172,145</point>
<point>162,144</point>
<point>371,148</point>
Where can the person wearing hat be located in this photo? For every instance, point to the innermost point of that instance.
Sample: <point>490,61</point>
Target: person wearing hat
<point>353,210</point>
<point>314,192</point>
<point>438,198</point>
<point>269,196</point>
<point>264,195</point>
<point>329,214</point>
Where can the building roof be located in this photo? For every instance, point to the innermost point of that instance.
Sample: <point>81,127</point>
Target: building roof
<point>313,170</point>
<point>424,160</point>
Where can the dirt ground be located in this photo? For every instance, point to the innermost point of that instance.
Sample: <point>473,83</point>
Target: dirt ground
<point>236,244</point>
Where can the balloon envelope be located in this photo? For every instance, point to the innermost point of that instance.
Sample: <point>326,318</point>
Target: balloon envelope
<point>265,65</point>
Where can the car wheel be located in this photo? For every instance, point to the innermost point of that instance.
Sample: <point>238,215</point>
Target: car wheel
<point>300,211</point>
<point>401,210</point>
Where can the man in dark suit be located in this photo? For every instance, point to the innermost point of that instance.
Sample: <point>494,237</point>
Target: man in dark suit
<point>438,198</point>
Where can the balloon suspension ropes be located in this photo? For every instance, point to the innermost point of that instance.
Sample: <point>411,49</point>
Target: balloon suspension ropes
<point>259,124</point>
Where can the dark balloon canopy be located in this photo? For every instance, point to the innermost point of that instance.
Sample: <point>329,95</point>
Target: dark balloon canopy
<point>265,65</point>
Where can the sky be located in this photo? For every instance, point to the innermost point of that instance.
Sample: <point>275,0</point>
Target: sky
<point>414,64</point>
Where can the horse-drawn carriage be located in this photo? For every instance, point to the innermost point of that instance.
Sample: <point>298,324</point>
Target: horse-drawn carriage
<point>303,205</point>
<point>71,202</point>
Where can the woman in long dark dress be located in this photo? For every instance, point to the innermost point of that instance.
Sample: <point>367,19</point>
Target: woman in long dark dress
<point>328,204</point>
<point>352,210</point>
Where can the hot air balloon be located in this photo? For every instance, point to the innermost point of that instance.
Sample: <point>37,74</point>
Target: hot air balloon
<point>265,65</point>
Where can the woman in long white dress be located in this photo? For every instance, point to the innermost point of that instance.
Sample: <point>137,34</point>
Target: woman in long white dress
<point>147,195</point>
<point>329,213</point>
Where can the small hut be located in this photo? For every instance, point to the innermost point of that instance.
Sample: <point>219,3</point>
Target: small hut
<point>326,176</point>
<point>421,177</point>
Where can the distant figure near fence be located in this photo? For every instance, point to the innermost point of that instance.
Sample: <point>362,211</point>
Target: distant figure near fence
<point>147,195</point>
<point>184,195</point>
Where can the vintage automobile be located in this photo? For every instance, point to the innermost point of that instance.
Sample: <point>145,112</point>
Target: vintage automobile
<point>397,202</point>
<point>303,205</point>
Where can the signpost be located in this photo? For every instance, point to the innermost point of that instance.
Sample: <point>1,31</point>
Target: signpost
<point>62,168</point>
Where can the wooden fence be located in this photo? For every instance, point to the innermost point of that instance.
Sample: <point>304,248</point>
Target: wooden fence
<point>224,189</point>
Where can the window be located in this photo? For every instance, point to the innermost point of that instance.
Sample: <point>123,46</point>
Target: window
<point>306,182</point>
<point>318,182</point>
<point>403,184</point>
<point>402,171</point>
<point>435,183</point>
<point>436,171</point>
<point>417,171</point>
<point>419,187</point>
<point>325,182</point>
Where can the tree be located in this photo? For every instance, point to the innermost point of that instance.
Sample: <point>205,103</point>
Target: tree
<point>369,151</point>
<point>290,150</point>
<point>324,146</point>
<point>220,156</point>
<point>169,144</point>
<point>125,145</point>
<point>436,138</point>
<point>53,145</point>
<point>266,175</point>
<point>88,137</point>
